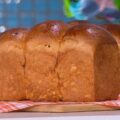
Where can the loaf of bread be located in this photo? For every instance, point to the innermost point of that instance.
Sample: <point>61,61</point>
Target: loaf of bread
<point>57,61</point>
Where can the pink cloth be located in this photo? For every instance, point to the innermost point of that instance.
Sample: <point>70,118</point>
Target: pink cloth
<point>13,106</point>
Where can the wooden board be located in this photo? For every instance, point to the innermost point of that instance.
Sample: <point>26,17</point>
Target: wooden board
<point>69,108</point>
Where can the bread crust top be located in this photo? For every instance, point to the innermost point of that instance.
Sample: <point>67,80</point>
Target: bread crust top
<point>114,29</point>
<point>92,33</point>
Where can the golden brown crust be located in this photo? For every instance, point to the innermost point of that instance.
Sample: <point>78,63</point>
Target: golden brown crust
<point>56,62</point>
<point>54,29</point>
<point>93,34</point>
<point>13,34</point>
<point>12,65</point>
<point>114,29</point>
<point>77,63</point>
<point>41,58</point>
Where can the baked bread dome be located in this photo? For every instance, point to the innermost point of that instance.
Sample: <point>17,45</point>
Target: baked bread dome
<point>87,64</point>
<point>41,59</point>
<point>12,86</point>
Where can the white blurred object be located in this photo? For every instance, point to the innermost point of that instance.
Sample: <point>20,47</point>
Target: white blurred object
<point>105,4</point>
<point>2,28</point>
<point>8,1</point>
<point>17,1</point>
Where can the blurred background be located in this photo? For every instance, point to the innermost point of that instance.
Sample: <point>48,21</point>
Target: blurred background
<point>26,13</point>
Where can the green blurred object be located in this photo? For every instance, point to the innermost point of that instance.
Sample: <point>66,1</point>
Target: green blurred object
<point>67,8</point>
<point>117,3</point>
